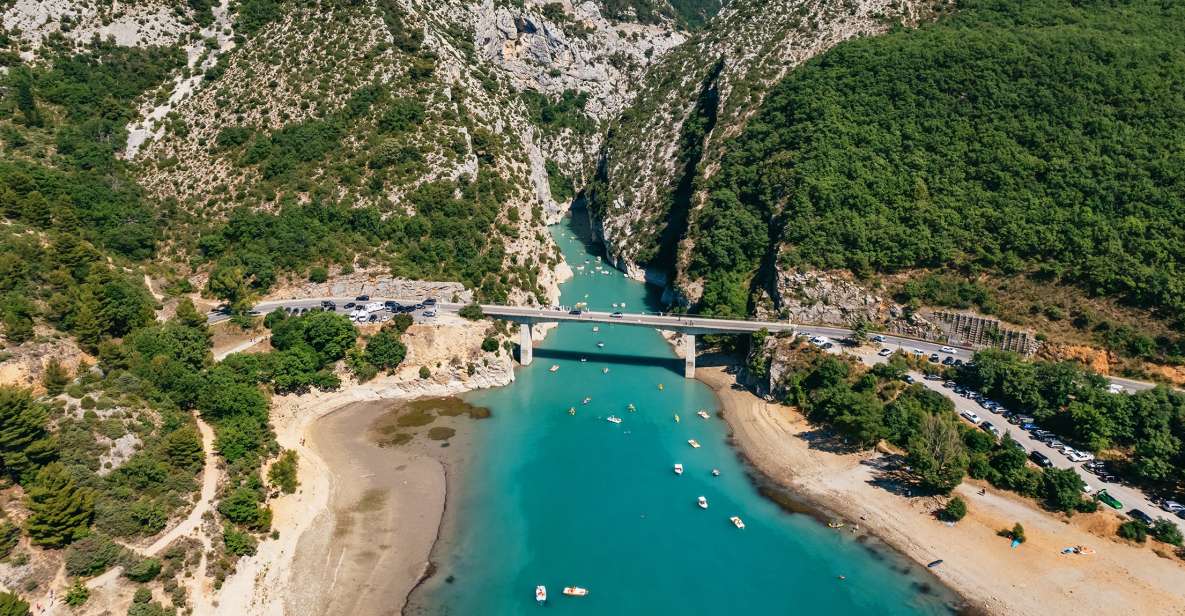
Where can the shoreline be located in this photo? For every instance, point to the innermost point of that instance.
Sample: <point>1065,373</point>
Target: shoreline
<point>978,566</point>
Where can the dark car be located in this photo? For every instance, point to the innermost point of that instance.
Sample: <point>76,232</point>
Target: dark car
<point>1040,459</point>
<point>1140,515</point>
<point>328,305</point>
<point>350,305</point>
<point>948,360</point>
<point>431,301</point>
<point>362,298</point>
<point>616,315</point>
<point>393,306</point>
<point>1181,514</point>
<point>934,357</point>
<point>576,312</point>
<point>907,379</point>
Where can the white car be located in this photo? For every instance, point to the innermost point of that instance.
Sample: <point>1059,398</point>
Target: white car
<point>971,417</point>
<point>948,350</point>
<point>819,340</point>
<point>885,352</point>
<point>918,352</point>
<point>878,338</point>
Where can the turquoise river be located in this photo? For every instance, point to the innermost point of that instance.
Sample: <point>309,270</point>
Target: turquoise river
<point>574,500</point>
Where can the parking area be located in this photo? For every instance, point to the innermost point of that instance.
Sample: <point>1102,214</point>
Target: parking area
<point>1043,447</point>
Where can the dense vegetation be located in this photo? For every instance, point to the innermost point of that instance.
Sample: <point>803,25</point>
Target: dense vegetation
<point>1015,137</point>
<point>865,406</point>
<point>1074,403</point>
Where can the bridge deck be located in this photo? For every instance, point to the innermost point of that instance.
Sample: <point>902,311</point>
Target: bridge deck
<point>686,324</point>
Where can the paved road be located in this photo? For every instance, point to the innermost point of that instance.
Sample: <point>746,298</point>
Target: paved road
<point>663,321</point>
<point>1131,498</point>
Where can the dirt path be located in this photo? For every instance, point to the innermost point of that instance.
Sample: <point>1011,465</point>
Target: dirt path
<point>1035,578</point>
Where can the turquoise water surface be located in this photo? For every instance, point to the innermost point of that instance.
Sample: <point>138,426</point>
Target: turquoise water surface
<point>564,500</point>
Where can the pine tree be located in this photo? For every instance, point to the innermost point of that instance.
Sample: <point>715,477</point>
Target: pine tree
<point>24,440</point>
<point>59,510</point>
<point>188,316</point>
<point>85,324</point>
<point>11,605</point>
<point>55,378</point>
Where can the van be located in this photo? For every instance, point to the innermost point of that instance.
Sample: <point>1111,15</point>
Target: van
<point>1041,459</point>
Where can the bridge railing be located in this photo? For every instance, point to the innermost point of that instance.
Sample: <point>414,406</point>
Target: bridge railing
<point>645,313</point>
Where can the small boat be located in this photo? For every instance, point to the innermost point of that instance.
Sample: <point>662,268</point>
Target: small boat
<point>604,371</point>
<point>572,410</point>
<point>614,419</point>
<point>703,502</point>
<point>835,524</point>
<point>600,345</point>
<point>703,414</point>
<point>678,469</point>
<point>583,359</point>
<point>541,593</point>
<point>575,591</point>
<point>596,328</point>
<point>587,399</point>
<point>660,387</point>
<point>554,368</point>
<point>676,418</point>
<point>737,522</point>
<point>934,563</point>
<point>715,472</point>
<point>631,408</point>
<point>694,443</point>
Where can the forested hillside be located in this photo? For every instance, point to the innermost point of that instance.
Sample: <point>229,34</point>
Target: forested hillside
<point>1015,137</point>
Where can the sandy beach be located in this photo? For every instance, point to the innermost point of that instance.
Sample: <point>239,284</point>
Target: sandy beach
<point>370,546</point>
<point>1035,578</point>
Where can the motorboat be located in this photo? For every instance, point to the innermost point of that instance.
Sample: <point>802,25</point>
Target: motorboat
<point>604,371</point>
<point>678,469</point>
<point>703,414</point>
<point>583,359</point>
<point>571,410</point>
<point>587,399</point>
<point>703,502</point>
<point>541,593</point>
<point>596,328</point>
<point>694,443</point>
<point>676,418</point>
<point>575,591</point>
<point>660,388</point>
<point>631,408</point>
<point>737,522</point>
<point>600,345</point>
<point>715,472</point>
<point>554,368</point>
<point>614,419</point>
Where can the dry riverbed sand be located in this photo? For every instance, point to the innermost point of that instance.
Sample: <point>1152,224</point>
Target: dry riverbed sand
<point>1035,578</point>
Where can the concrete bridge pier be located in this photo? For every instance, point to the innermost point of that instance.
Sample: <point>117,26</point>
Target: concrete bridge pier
<point>689,356</point>
<point>526,348</point>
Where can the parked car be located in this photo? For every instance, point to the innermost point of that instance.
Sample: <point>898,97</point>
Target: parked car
<point>362,298</point>
<point>828,345</point>
<point>948,361</point>
<point>431,301</point>
<point>391,305</point>
<point>948,384</point>
<point>430,312</point>
<point>1181,514</point>
<point>1040,459</point>
<point>971,417</point>
<point>908,379</point>
<point>934,357</point>
<point>1138,514</point>
<point>328,305</point>
<point>1108,500</point>
<point>885,352</point>
<point>990,429</point>
<point>1171,506</point>
<point>349,305</point>
<point>950,350</point>
<point>959,362</point>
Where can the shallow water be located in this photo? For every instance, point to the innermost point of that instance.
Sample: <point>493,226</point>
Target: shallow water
<point>563,500</point>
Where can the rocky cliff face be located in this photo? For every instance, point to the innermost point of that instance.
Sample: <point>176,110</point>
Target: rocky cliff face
<point>665,147</point>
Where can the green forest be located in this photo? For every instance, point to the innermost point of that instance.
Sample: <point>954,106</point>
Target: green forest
<point>1034,137</point>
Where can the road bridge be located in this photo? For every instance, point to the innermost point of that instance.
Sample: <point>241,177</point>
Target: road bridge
<point>688,325</point>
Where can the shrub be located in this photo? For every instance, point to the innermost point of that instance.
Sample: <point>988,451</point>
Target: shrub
<point>1016,533</point>
<point>472,312</point>
<point>10,535</point>
<point>489,345</point>
<point>425,372</point>
<point>282,474</point>
<point>1133,530</point>
<point>55,378</point>
<point>318,274</point>
<point>1166,532</point>
<point>77,595</point>
<point>142,596</point>
<point>144,570</point>
<point>402,321</point>
<point>11,605</point>
<point>955,510</point>
<point>91,555</point>
<point>238,543</point>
